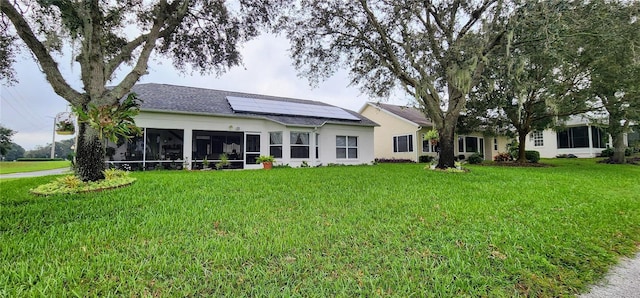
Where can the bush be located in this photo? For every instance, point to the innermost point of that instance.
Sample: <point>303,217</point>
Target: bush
<point>425,158</point>
<point>39,159</point>
<point>609,152</point>
<point>475,158</point>
<point>504,156</point>
<point>532,156</point>
<point>566,156</point>
<point>393,160</point>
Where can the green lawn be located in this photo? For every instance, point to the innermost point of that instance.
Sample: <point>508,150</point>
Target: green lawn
<point>8,167</point>
<point>385,230</point>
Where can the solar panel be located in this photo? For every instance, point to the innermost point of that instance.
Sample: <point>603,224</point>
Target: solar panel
<point>262,106</point>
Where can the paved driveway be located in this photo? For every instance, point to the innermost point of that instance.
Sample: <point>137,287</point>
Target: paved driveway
<point>36,174</point>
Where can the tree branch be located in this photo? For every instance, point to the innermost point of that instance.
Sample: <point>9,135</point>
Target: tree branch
<point>49,66</point>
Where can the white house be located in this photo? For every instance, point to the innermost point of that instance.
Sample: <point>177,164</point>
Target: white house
<point>579,137</point>
<point>402,129</point>
<point>184,125</point>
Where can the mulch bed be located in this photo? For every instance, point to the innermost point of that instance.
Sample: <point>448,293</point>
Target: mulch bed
<point>517,164</point>
<point>630,160</point>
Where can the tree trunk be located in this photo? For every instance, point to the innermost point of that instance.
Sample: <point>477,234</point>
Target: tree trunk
<point>618,148</point>
<point>90,154</point>
<point>447,146</point>
<point>522,139</point>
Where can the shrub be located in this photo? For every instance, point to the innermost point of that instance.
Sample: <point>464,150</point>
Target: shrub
<point>503,156</point>
<point>425,158</point>
<point>110,174</point>
<point>39,159</point>
<point>393,160</point>
<point>607,152</point>
<point>71,181</point>
<point>513,148</point>
<point>532,156</point>
<point>475,158</point>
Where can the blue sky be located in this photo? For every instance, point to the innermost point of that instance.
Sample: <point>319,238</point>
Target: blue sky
<point>30,106</point>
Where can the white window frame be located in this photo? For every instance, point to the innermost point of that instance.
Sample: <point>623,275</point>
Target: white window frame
<point>272,144</point>
<point>409,143</point>
<point>292,144</point>
<point>346,147</point>
<point>537,138</point>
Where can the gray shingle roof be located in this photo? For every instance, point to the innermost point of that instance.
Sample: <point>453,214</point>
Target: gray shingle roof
<point>410,113</point>
<point>182,99</point>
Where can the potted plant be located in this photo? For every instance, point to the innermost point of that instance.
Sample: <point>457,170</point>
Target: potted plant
<point>266,160</point>
<point>65,127</point>
<point>432,136</point>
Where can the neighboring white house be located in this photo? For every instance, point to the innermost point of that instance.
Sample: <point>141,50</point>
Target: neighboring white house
<point>184,125</point>
<point>402,129</point>
<point>578,137</point>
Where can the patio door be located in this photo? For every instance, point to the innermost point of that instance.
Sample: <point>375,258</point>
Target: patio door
<point>252,148</point>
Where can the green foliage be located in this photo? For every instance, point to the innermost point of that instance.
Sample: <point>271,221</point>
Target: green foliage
<point>394,230</point>
<point>609,152</point>
<point>111,174</point>
<point>205,163</point>
<point>62,149</point>
<point>70,181</point>
<point>113,121</point>
<point>224,161</point>
<point>431,135</point>
<point>72,184</point>
<point>532,156</point>
<point>5,139</point>
<point>265,158</point>
<point>513,148</point>
<point>65,125</point>
<point>15,151</point>
<point>383,48</point>
<point>475,158</point>
<point>25,159</point>
<point>502,157</point>
<point>425,158</point>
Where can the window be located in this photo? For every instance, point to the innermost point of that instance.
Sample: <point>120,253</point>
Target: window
<point>471,144</point>
<point>346,147</point>
<point>574,137</point>
<point>468,144</point>
<point>495,144</point>
<point>299,144</point>
<point>403,143</point>
<point>275,144</point>
<point>537,138</point>
<point>598,137</point>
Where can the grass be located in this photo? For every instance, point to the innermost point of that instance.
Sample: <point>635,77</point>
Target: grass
<point>385,230</point>
<point>9,167</point>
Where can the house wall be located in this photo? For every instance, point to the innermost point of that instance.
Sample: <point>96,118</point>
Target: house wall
<point>390,126</point>
<point>327,143</point>
<point>326,136</point>
<point>550,147</point>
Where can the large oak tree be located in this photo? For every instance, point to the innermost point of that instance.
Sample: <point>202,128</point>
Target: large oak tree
<point>530,83</point>
<point>434,50</point>
<point>608,48</point>
<point>107,37</point>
